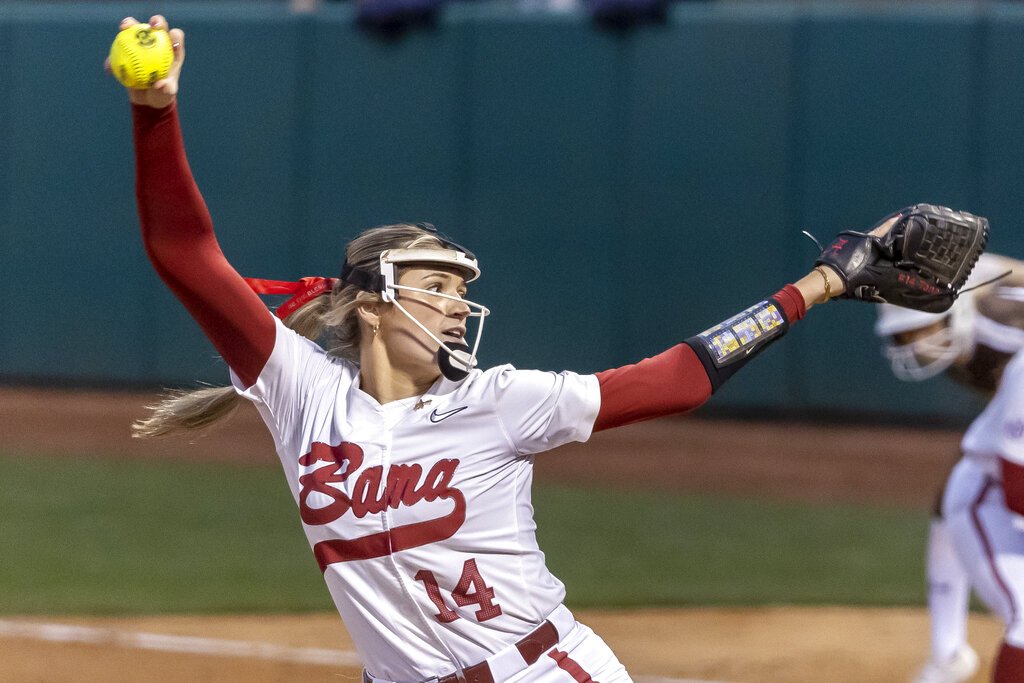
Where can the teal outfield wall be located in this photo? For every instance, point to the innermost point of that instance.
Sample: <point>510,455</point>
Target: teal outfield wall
<point>623,189</point>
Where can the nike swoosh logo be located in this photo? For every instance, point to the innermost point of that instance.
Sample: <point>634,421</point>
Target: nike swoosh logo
<point>436,417</point>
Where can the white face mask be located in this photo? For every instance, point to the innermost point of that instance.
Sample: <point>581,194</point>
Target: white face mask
<point>931,355</point>
<point>454,360</point>
<point>927,357</point>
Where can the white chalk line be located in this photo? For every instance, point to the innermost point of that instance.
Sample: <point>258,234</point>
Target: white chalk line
<point>221,647</point>
<point>67,633</point>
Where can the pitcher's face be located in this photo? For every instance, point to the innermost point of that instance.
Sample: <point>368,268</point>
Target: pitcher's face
<point>434,296</point>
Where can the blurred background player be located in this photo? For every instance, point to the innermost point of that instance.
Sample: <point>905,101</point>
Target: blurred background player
<point>972,343</point>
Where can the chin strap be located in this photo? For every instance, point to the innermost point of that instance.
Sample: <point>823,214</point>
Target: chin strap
<point>303,291</point>
<point>455,361</point>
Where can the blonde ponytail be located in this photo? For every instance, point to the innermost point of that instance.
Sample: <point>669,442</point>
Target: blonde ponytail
<point>185,410</point>
<point>182,410</point>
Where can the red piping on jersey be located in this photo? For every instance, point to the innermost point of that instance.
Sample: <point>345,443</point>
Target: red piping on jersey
<point>670,383</point>
<point>570,666</point>
<point>986,545</point>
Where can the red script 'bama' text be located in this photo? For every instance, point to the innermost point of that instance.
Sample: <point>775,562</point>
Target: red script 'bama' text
<point>403,486</point>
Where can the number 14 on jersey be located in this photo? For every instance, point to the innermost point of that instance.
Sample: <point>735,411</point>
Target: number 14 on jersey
<point>470,590</point>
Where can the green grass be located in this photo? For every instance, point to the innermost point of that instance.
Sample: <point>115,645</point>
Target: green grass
<point>91,535</point>
<point>628,549</point>
<point>100,536</point>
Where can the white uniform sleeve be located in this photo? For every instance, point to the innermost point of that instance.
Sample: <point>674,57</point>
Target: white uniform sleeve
<point>1011,419</point>
<point>543,410</point>
<point>295,375</point>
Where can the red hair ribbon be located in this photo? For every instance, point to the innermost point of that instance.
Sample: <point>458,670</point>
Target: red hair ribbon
<point>303,291</point>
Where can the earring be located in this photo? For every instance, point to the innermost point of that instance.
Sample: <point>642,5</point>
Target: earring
<point>376,328</point>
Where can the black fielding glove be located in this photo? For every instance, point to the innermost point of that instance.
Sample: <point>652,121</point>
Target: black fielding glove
<point>921,263</point>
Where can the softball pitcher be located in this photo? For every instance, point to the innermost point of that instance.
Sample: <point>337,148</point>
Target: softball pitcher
<point>972,343</point>
<point>410,466</point>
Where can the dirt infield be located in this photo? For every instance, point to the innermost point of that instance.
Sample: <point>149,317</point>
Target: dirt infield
<point>785,460</point>
<point>776,645</point>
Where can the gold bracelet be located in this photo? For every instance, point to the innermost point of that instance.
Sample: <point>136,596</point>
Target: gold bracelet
<point>828,285</point>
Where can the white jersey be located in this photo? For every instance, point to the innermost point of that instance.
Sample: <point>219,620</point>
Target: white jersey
<point>999,430</point>
<point>419,510</point>
<point>986,534</point>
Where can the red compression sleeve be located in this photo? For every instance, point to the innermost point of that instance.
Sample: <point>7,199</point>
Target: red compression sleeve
<point>1013,485</point>
<point>672,382</point>
<point>177,233</point>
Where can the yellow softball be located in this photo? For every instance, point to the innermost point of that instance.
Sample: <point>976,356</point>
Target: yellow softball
<point>141,56</point>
